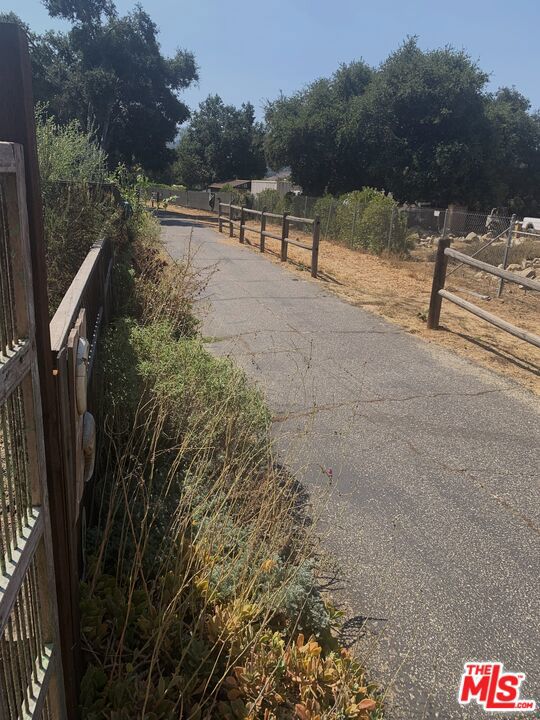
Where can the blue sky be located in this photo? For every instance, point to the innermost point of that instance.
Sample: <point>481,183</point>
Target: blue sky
<point>253,50</point>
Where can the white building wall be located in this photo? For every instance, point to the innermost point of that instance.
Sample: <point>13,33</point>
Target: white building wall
<point>282,186</point>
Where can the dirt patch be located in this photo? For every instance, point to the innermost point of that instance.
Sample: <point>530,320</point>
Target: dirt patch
<point>399,290</point>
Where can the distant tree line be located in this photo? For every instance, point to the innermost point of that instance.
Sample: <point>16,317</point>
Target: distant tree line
<point>422,125</point>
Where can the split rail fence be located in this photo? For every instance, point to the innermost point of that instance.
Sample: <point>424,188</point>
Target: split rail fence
<point>282,220</point>
<point>438,293</point>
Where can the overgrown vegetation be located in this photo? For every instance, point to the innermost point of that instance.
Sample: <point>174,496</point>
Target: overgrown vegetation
<point>200,598</point>
<point>366,219</point>
<point>77,209</point>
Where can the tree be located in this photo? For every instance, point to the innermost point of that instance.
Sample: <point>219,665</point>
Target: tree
<point>221,142</point>
<point>421,126</point>
<point>109,74</point>
<point>424,123</point>
<point>515,152</point>
<point>305,130</point>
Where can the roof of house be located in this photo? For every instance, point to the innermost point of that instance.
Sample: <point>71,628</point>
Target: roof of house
<point>232,183</point>
<point>274,178</point>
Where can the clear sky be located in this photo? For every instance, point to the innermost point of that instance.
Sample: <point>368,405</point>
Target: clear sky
<point>253,50</point>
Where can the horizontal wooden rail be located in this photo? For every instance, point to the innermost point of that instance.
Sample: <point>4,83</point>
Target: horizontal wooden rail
<point>16,568</point>
<point>492,270</point>
<point>297,243</point>
<point>14,367</point>
<point>66,314</point>
<point>490,318</point>
<point>267,234</point>
<point>307,221</point>
<point>438,293</point>
<point>263,233</point>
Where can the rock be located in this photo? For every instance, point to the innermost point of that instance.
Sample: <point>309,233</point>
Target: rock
<point>527,273</point>
<point>536,262</point>
<point>472,237</point>
<point>513,267</point>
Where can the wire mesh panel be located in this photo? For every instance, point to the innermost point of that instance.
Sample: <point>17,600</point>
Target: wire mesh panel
<point>30,670</point>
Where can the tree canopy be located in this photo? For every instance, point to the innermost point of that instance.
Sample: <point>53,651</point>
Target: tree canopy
<point>108,72</point>
<point>422,125</point>
<point>221,143</point>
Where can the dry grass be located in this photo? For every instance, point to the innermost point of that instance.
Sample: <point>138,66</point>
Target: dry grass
<point>399,290</point>
<point>200,597</point>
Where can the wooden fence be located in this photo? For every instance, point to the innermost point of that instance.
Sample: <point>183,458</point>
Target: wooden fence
<point>46,430</point>
<point>31,677</point>
<point>438,293</point>
<point>284,238</point>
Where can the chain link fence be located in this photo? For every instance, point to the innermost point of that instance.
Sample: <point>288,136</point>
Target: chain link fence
<point>373,221</point>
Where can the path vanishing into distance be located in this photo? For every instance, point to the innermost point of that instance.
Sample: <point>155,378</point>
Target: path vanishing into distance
<point>422,469</point>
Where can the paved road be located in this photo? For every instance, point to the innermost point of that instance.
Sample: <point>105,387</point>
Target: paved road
<point>433,509</point>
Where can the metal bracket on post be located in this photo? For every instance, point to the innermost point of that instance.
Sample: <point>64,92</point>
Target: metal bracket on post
<point>506,251</point>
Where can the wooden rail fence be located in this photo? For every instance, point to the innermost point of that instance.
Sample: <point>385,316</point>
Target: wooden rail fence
<point>47,391</point>
<point>283,238</point>
<point>438,293</point>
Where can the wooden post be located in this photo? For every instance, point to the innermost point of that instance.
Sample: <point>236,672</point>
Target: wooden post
<point>354,224</point>
<point>506,251</point>
<point>284,235</point>
<point>263,228</point>
<point>230,219</point>
<point>219,221</point>
<point>315,248</point>
<point>439,277</point>
<point>242,224</point>
<point>392,217</point>
<point>17,125</point>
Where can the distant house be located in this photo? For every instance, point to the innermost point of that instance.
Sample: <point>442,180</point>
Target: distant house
<point>282,185</point>
<point>235,184</point>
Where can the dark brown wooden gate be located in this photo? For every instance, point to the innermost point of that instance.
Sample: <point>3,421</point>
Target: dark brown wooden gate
<point>31,677</point>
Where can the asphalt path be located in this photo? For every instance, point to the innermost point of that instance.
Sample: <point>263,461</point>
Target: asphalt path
<point>423,472</point>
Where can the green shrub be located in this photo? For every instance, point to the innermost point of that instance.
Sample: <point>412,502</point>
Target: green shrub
<point>325,208</point>
<point>349,211</point>
<point>381,227</point>
<point>76,214</point>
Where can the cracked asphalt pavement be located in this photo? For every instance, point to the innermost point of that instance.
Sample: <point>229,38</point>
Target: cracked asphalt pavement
<point>422,469</point>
